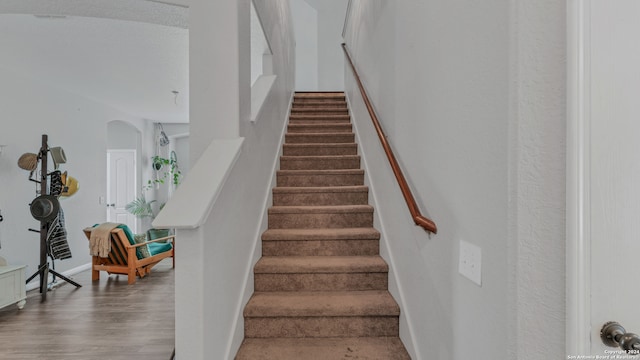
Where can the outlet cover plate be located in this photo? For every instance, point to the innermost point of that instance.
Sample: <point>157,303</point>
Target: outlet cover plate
<point>470,264</point>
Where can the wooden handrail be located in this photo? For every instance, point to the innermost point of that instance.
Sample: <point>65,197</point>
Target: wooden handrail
<point>418,218</point>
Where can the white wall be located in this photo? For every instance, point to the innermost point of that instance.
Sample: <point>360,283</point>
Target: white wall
<point>538,171</point>
<point>121,135</point>
<point>259,46</point>
<point>463,104</point>
<point>330,59</point>
<point>318,28</point>
<point>305,21</point>
<point>30,109</point>
<point>230,236</point>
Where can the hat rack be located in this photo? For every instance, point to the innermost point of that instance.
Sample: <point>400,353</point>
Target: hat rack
<point>44,267</point>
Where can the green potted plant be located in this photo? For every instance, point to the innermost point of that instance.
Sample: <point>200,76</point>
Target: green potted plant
<point>140,207</point>
<point>143,209</point>
<point>166,170</point>
<point>170,173</point>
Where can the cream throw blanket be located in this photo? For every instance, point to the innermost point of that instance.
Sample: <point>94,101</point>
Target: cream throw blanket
<point>100,239</point>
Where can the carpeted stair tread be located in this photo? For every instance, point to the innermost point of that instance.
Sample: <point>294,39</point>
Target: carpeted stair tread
<point>321,234</point>
<point>319,95</point>
<point>369,348</point>
<point>327,177</point>
<point>337,209</point>
<point>319,128</point>
<point>319,117</point>
<point>319,103</point>
<point>319,110</point>
<point>320,264</point>
<point>311,162</point>
<point>322,304</point>
<point>319,189</point>
<point>319,157</point>
<point>333,137</point>
<point>326,195</point>
<point>320,149</point>
<point>321,242</point>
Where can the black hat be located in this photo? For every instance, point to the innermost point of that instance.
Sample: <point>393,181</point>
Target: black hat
<point>45,208</point>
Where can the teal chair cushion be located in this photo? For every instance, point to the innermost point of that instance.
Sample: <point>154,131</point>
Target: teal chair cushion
<point>157,248</point>
<point>153,248</point>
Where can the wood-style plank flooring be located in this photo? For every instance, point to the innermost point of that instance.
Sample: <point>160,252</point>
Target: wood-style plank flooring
<point>106,320</point>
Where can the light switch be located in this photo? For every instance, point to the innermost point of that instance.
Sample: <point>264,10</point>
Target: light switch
<point>470,262</point>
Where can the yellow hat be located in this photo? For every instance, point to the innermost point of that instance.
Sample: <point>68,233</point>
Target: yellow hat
<point>70,186</point>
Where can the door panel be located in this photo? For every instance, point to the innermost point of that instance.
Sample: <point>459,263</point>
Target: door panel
<point>614,174</point>
<point>121,186</point>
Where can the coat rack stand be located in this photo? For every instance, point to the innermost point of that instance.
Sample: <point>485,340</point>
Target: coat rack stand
<point>44,269</point>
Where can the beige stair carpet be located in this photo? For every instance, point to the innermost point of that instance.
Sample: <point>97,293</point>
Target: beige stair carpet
<point>321,287</point>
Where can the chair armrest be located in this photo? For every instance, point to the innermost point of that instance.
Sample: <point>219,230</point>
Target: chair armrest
<point>172,237</point>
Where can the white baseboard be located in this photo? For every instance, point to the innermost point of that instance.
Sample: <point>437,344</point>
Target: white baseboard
<point>36,283</point>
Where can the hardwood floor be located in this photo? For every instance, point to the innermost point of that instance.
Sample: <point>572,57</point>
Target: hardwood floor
<point>106,320</point>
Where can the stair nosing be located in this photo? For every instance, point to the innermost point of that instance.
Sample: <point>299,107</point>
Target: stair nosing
<point>353,264</point>
<point>353,144</point>
<point>319,157</point>
<point>322,171</point>
<point>320,209</point>
<point>319,189</point>
<point>358,233</point>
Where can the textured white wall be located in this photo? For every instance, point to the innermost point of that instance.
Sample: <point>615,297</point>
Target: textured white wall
<point>230,236</point>
<point>538,167</point>
<point>318,28</point>
<point>78,125</point>
<point>214,69</point>
<point>259,46</point>
<point>305,20</point>
<point>330,60</point>
<point>475,111</point>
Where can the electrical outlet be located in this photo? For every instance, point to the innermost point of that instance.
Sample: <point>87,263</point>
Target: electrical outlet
<point>470,262</point>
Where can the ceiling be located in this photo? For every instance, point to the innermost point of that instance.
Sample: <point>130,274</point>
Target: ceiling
<point>132,59</point>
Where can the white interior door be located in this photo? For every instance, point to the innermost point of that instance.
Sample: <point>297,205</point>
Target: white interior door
<point>121,186</point>
<point>603,262</point>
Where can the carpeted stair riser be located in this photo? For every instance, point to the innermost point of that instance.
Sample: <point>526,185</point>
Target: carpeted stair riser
<point>349,177</point>
<point>321,282</point>
<point>321,196</point>
<point>319,149</point>
<point>300,98</point>
<point>321,273</point>
<point>320,247</point>
<point>330,138</point>
<point>319,128</point>
<point>332,104</point>
<point>318,111</point>
<point>336,326</point>
<point>300,217</point>
<point>318,119</point>
<point>326,103</point>
<point>321,314</point>
<point>334,162</point>
<point>321,242</point>
<point>371,348</point>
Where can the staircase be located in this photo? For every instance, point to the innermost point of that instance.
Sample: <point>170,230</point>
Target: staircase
<point>321,286</point>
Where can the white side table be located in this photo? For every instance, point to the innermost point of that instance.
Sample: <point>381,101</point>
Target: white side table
<point>12,286</point>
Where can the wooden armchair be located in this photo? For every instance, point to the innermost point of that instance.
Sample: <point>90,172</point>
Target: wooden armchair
<point>126,256</point>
